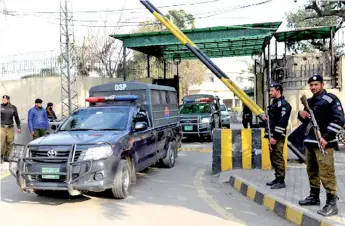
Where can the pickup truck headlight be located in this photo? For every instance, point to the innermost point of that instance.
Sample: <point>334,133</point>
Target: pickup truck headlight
<point>205,120</point>
<point>98,152</point>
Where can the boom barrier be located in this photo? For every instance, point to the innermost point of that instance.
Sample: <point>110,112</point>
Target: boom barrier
<point>204,59</point>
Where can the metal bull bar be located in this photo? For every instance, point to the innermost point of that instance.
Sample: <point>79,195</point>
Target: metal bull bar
<point>204,59</point>
<point>23,160</point>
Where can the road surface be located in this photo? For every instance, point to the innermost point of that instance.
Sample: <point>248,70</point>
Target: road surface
<point>184,195</point>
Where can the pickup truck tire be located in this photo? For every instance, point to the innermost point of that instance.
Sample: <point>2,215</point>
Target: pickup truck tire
<point>122,180</point>
<point>169,160</point>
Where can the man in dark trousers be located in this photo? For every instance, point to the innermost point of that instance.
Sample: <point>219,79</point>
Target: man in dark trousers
<point>279,114</point>
<point>38,120</point>
<point>247,117</point>
<point>8,112</point>
<point>329,116</point>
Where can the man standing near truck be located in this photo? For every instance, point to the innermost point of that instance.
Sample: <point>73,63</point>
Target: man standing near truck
<point>38,120</point>
<point>8,112</point>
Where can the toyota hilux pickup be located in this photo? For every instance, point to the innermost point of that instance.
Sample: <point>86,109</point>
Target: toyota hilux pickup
<point>199,115</point>
<point>126,128</point>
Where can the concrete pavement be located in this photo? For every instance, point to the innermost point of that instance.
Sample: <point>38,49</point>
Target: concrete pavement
<point>297,188</point>
<point>184,195</point>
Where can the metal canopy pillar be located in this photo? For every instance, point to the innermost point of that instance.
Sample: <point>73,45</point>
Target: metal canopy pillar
<point>165,69</point>
<point>269,71</point>
<point>124,67</point>
<point>332,53</point>
<point>148,66</point>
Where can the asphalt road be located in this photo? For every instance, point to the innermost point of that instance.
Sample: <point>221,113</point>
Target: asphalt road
<point>184,195</point>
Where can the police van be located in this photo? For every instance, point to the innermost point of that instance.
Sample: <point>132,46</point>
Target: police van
<point>199,115</point>
<point>126,128</point>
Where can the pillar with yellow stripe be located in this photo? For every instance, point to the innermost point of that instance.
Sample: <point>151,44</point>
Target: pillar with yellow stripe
<point>241,149</point>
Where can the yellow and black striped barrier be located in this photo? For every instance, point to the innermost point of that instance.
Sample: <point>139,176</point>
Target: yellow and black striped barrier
<point>241,149</point>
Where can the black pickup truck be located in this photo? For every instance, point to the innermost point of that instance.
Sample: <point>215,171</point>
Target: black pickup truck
<point>128,127</point>
<point>199,115</point>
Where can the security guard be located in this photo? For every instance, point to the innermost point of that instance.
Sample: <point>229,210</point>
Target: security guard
<point>8,112</point>
<point>329,115</point>
<point>279,113</point>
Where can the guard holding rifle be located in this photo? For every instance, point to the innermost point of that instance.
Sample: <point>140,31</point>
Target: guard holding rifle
<point>320,142</point>
<point>278,116</point>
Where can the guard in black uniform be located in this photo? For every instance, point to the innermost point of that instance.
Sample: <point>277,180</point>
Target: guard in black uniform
<point>247,117</point>
<point>8,112</point>
<point>329,116</point>
<point>279,114</point>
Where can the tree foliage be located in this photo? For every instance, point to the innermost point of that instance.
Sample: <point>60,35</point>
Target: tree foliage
<point>313,14</point>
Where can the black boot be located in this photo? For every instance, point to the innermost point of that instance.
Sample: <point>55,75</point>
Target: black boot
<point>272,182</point>
<point>330,208</point>
<point>280,184</point>
<point>313,199</point>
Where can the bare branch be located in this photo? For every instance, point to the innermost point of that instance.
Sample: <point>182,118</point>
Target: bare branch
<point>321,13</point>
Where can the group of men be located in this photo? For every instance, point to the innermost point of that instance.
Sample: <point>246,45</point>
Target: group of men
<point>329,116</point>
<point>38,118</point>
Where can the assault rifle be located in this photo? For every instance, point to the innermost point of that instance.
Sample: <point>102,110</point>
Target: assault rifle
<point>313,123</point>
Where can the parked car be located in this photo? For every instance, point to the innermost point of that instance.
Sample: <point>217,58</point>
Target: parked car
<point>126,128</point>
<point>225,116</point>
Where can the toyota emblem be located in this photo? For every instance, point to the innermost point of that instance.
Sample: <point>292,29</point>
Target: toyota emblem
<point>52,153</point>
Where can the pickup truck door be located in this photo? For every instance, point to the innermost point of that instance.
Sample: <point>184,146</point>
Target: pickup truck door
<point>144,145</point>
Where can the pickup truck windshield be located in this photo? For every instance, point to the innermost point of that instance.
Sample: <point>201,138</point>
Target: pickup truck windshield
<point>196,108</point>
<point>97,119</point>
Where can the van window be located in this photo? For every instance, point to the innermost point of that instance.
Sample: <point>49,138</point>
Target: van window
<point>173,97</point>
<point>155,97</point>
<point>163,97</point>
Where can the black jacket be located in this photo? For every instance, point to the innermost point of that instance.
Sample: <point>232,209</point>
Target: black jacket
<point>9,111</point>
<point>329,116</point>
<point>279,114</point>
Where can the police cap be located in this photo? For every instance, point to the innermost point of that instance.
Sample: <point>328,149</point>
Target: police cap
<point>6,97</point>
<point>277,86</point>
<point>38,101</point>
<point>315,78</point>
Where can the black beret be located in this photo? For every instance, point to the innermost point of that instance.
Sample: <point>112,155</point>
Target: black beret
<point>315,78</point>
<point>6,97</point>
<point>38,101</point>
<point>276,85</point>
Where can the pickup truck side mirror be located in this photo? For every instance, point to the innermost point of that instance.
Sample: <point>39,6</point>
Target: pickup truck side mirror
<point>140,126</point>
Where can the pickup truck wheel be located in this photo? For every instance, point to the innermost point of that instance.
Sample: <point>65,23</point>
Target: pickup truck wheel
<point>122,180</point>
<point>169,160</point>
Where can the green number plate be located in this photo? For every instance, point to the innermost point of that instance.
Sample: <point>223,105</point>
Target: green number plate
<point>188,128</point>
<point>51,170</point>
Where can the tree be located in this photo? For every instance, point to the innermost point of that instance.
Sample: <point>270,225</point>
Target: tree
<point>316,13</point>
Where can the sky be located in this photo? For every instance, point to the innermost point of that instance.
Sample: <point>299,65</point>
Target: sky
<point>32,28</point>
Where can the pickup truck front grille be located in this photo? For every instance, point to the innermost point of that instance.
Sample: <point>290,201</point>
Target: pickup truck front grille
<point>52,152</point>
<point>189,120</point>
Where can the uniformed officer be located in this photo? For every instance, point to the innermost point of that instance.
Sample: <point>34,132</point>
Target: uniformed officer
<point>279,113</point>
<point>8,112</point>
<point>329,115</point>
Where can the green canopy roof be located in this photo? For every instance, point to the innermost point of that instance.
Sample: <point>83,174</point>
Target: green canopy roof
<point>226,41</point>
<point>304,34</point>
